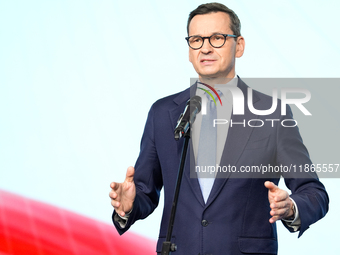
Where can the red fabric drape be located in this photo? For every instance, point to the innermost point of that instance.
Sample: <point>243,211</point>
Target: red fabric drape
<point>28,227</point>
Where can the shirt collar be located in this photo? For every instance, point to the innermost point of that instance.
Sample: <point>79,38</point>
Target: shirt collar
<point>222,87</point>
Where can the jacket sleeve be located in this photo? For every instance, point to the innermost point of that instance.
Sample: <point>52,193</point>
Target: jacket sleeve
<point>308,192</point>
<point>148,177</point>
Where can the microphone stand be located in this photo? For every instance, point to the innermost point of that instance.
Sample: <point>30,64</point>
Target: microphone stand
<point>167,246</point>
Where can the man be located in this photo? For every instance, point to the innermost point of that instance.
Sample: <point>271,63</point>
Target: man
<point>229,215</point>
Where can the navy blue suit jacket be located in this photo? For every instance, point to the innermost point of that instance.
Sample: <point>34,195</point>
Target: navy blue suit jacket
<point>235,219</point>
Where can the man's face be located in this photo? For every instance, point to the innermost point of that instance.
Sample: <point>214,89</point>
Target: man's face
<point>210,62</point>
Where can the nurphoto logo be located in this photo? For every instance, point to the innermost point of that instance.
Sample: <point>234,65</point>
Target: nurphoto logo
<point>238,105</point>
<point>238,100</point>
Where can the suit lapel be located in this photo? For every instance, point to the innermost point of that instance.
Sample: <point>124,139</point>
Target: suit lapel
<point>180,101</point>
<point>192,178</point>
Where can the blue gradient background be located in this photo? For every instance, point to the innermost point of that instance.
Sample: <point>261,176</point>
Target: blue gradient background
<point>77,79</point>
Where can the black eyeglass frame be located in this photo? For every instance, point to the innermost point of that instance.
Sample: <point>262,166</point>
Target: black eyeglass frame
<point>209,37</point>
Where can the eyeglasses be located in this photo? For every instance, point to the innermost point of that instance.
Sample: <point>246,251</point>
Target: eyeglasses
<point>216,40</point>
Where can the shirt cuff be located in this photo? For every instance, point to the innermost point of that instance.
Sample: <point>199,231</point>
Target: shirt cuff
<point>296,222</point>
<point>122,220</point>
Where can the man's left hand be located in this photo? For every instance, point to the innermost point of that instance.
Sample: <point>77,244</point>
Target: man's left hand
<point>280,203</point>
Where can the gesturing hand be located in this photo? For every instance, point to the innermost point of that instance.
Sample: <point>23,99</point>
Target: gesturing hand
<point>123,194</point>
<point>280,203</point>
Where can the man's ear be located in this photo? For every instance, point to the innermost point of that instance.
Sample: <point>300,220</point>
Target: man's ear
<point>240,45</point>
<point>190,57</point>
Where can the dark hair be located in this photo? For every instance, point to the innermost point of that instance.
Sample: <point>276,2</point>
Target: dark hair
<point>235,24</point>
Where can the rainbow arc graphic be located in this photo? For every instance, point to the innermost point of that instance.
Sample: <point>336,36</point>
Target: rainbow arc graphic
<point>209,93</point>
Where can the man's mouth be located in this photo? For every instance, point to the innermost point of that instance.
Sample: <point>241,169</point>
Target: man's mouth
<point>207,61</point>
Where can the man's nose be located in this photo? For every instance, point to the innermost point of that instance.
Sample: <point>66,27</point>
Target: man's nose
<point>206,47</point>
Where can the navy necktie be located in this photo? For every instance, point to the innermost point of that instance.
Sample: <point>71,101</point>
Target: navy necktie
<point>207,146</point>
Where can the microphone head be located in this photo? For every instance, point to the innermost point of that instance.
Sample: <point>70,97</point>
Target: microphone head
<point>195,102</point>
<point>188,117</point>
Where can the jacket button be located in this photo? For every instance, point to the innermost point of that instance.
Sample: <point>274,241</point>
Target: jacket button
<point>204,223</point>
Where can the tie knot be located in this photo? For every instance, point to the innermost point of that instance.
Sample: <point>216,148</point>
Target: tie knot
<point>212,96</point>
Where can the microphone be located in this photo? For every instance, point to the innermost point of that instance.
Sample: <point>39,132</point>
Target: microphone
<point>188,117</point>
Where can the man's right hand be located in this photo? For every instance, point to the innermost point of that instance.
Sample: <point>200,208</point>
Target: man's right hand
<point>123,194</point>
